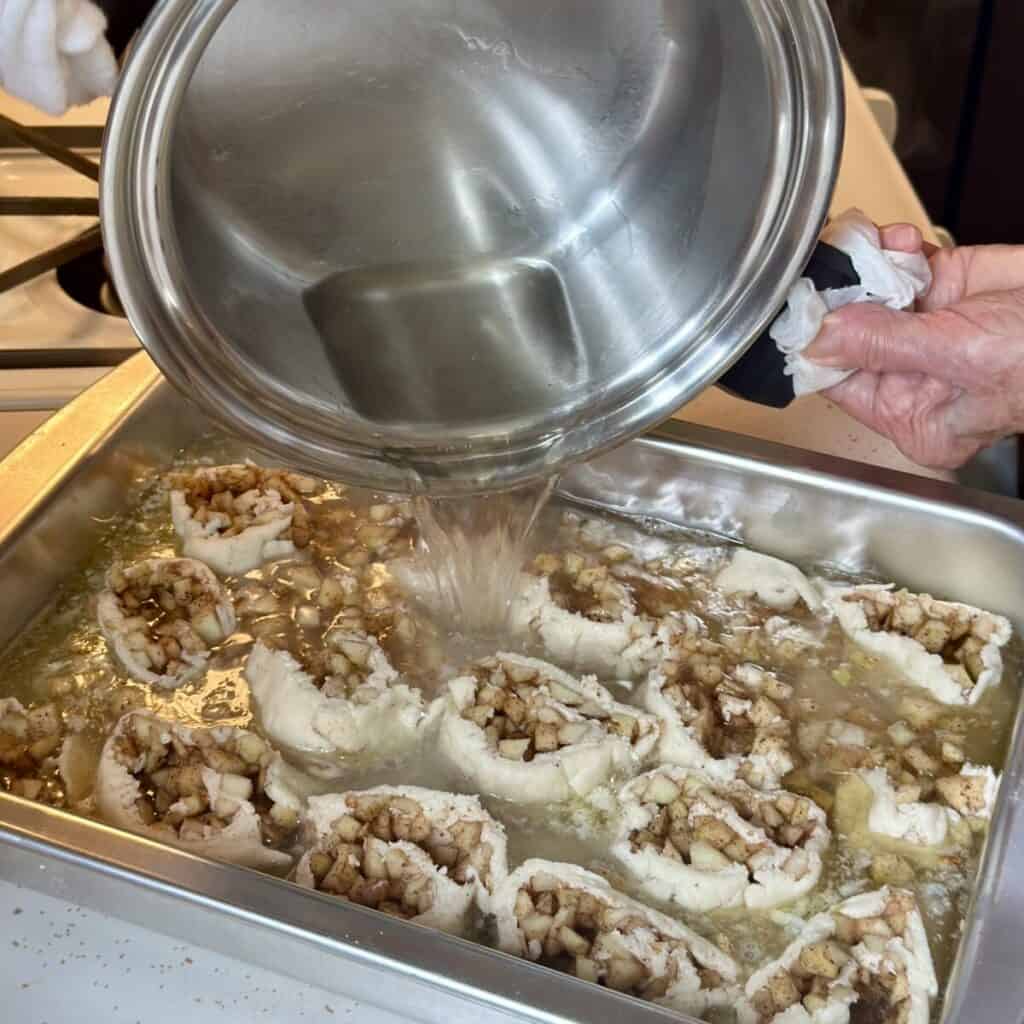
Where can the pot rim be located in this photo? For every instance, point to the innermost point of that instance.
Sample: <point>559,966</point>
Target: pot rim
<point>136,199</point>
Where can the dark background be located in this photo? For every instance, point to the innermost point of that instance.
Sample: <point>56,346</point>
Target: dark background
<point>956,71</point>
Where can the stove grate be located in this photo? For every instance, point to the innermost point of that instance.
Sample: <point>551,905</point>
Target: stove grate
<point>88,241</point>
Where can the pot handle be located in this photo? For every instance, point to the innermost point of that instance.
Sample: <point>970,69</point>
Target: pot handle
<point>124,19</point>
<point>760,376</point>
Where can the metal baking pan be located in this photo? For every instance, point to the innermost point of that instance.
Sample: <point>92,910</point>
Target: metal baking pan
<point>74,472</point>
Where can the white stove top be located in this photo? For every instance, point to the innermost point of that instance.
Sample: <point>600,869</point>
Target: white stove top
<point>51,346</point>
<point>40,324</point>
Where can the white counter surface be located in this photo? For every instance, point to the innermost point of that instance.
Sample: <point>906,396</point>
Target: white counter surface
<point>61,963</point>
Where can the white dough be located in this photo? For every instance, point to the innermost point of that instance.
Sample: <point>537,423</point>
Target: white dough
<point>680,744</point>
<point>771,581</point>
<point>924,824</point>
<point>906,654</point>
<point>453,902</point>
<point>555,776</point>
<point>687,994</point>
<point>622,650</point>
<point>118,628</point>
<point>908,951</point>
<point>248,550</point>
<point>383,718</point>
<point>780,874</point>
<point>239,842</point>
<point>77,763</point>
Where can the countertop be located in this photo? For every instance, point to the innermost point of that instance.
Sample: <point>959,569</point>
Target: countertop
<point>63,963</point>
<point>60,962</point>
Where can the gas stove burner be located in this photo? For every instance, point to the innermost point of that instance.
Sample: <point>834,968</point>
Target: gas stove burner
<point>89,242</point>
<point>58,308</point>
<point>86,280</point>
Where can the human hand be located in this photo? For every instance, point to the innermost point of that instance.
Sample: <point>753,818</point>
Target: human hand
<point>947,380</point>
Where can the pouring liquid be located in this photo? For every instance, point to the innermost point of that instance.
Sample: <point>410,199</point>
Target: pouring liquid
<point>470,555</point>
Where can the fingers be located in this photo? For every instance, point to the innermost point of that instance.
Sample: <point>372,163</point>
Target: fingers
<point>959,272</point>
<point>902,238</point>
<point>869,337</point>
<point>855,396</point>
<point>965,272</point>
<point>906,238</point>
<point>978,344</point>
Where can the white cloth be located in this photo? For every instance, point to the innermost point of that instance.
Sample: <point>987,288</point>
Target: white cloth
<point>893,279</point>
<point>54,54</point>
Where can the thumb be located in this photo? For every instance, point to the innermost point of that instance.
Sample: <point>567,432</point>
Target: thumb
<point>869,337</point>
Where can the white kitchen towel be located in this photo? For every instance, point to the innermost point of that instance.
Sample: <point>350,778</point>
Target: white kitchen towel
<point>54,54</point>
<point>893,279</point>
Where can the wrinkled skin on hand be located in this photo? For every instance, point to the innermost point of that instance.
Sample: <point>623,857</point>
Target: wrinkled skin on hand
<point>944,381</point>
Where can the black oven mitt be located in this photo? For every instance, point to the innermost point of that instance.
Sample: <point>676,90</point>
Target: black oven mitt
<point>760,375</point>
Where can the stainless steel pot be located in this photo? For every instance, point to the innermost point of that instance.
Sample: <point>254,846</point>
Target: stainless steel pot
<point>467,241</point>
